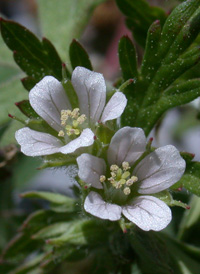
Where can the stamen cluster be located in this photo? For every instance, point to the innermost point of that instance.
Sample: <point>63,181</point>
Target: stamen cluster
<point>120,177</point>
<point>71,121</point>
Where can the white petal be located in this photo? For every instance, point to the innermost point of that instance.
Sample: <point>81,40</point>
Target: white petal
<point>148,212</point>
<point>34,143</point>
<point>96,206</point>
<point>90,169</point>
<point>84,140</point>
<point>114,107</point>
<point>91,90</point>
<point>159,170</point>
<point>48,98</point>
<point>127,144</point>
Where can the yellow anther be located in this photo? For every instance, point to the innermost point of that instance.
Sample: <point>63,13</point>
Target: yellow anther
<point>125,166</point>
<point>127,190</point>
<point>117,185</point>
<point>102,178</point>
<point>64,112</point>
<point>126,174</point>
<point>61,133</point>
<point>63,122</point>
<point>81,119</point>
<point>75,113</point>
<point>113,174</point>
<point>114,168</point>
<point>134,178</point>
<point>129,182</point>
<point>111,179</point>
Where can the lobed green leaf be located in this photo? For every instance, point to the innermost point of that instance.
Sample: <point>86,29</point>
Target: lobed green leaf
<point>139,16</point>
<point>34,57</point>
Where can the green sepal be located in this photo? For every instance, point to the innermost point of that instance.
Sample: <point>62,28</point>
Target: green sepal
<point>39,124</point>
<point>71,94</point>
<point>28,82</point>
<point>164,196</point>
<point>58,159</point>
<point>78,56</point>
<point>25,107</point>
<point>191,178</point>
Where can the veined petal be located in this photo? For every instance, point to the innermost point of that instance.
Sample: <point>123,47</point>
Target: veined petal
<point>34,143</point>
<point>84,140</point>
<point>91,90</point>
<point>96,206</point>
<point>90,169</point>
<point>114,107</point>
<point>159,170</point>
<point>127,144</point>
<point>48,98</point>
<point>148,213</point>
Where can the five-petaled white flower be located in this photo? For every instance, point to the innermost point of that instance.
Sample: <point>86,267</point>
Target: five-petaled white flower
<point>124,185</point>
<point>74,126</point>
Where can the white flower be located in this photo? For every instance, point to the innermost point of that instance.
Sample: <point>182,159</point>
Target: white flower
<point>74,126</point>
<point>124,185</point>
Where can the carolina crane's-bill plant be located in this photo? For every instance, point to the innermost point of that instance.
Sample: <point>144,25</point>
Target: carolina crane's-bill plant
<point>124,187</point>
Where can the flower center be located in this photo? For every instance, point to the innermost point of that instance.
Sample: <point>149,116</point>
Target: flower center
<point>71,121</point>
<point>120,178</point>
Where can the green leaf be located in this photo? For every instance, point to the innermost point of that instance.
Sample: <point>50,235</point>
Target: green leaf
<point>34,57</point>
<point>42,218</point>
<point>190,222</point>
<point>167,56</point>
<point>11,91</point>
<point>139,16</point>
<point>29,265</point>
<point>158,253</point>
<point>70,16</point>
<point>59,203</point>
<point>51,197</point>
<point>52,230</point>
<point>81,232</point>
<point>127,58</point>
<point>78,56</point>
